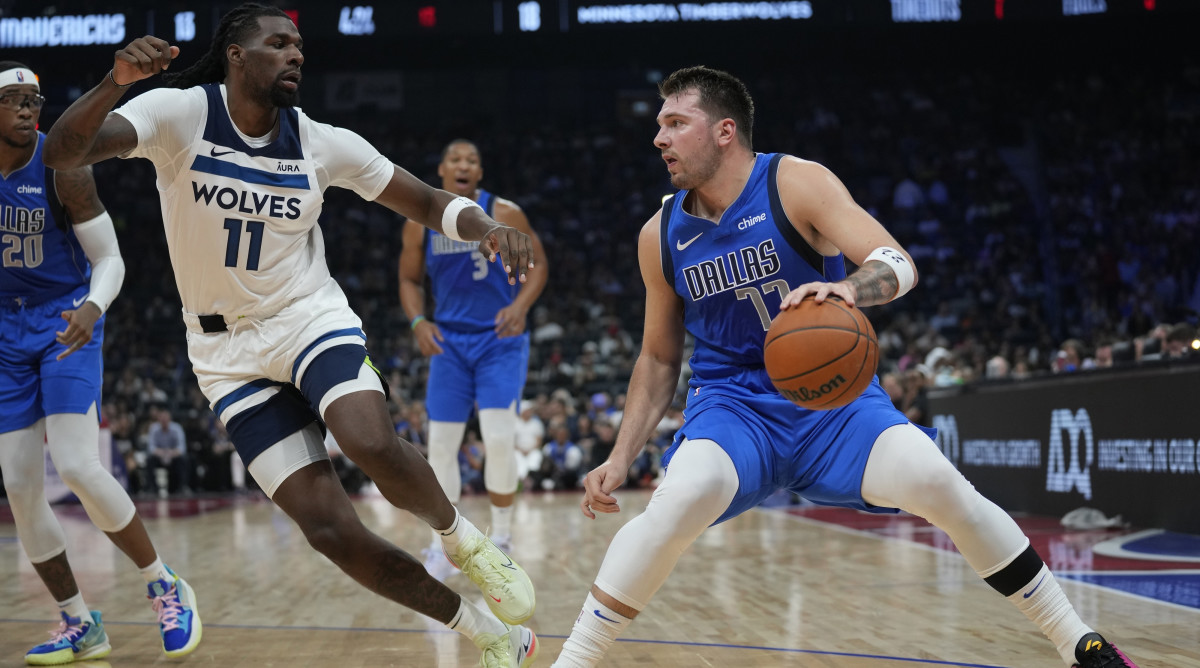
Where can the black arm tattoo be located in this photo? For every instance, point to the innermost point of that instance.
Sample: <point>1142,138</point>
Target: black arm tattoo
<point>77,191</point>
<point>874,283</point>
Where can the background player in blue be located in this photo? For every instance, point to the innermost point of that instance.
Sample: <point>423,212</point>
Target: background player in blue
<point>749,232</point>
<point>59,263</point>
<point>275,346</point>
<point>476,342</point>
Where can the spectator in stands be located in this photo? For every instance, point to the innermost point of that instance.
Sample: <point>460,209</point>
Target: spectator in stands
<point>602,445</point>
<point>167,447</point>
<point>1070,357</point>
<point>1177,343</point>
<point>529,436</point>
<point>562,460</point>
<point>997,368</point>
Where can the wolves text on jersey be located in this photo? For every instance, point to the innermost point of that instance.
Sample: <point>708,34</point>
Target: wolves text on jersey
<point>248,202</point>
<point>731,270</point>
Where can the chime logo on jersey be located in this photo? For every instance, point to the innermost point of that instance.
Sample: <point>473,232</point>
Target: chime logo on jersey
<point>731,270</point>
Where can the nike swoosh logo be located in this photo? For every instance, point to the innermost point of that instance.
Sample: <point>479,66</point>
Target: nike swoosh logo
<point>597,613</point>
<point>494,598</point>
<point>78,302</point>
<point>214,153</point>
<point>680,245</point>
<point>509,565</point>
<point>1035,587</point>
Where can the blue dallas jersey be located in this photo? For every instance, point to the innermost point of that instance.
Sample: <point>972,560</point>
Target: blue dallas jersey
<point>468,291</point>
<point>733,276</point>
<point>40,258</point>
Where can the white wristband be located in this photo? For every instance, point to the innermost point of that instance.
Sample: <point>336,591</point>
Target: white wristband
<point>899,265</point>
<point>450,216</point>
<point>99,242</point>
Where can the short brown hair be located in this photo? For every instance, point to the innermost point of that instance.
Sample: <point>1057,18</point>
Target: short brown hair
<point>722,95</point>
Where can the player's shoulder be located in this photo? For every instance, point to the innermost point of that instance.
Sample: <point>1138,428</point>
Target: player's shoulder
<point>651,230</point>
<point>502,204</point>
<point>793,167</point>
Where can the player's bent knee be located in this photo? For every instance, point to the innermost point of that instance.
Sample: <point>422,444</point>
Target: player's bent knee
<point>700,484</point>
<point>938,492</point>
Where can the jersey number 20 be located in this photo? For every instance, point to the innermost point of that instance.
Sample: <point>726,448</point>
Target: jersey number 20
<point>32,245</point>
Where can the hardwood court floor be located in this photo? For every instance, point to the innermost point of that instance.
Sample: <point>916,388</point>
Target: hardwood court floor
<point>766,589</point>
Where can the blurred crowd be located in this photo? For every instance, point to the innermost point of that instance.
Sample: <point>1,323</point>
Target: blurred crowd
<point>1054,229</point>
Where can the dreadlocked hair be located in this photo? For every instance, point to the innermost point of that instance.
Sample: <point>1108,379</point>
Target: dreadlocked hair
<point>235,26</point>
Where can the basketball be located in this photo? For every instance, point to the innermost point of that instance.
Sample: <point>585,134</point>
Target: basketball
<point>821,356</point>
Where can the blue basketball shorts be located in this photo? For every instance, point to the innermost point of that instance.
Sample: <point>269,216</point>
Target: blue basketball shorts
<point>475,368</point>
<point>271,377</point>
<point>33,384</point>
<point>774,444</point>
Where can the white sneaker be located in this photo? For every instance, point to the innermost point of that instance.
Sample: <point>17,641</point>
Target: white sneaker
<point>515,649</point>
<point>438,564</point>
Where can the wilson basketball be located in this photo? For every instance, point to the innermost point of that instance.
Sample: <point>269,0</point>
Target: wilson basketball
<point>821,356</point>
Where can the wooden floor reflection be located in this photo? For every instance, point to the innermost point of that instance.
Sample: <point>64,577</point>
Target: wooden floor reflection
<point>766,589</point>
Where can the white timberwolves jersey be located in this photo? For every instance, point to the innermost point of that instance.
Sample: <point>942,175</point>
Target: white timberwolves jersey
<point>241,214</point>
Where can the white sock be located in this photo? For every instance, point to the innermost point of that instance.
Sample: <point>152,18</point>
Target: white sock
<point>502,521</point>
<point>461,528</point>
<point>1045,604</point>
<point>595,630</point>
<point>156,571</point>
<point>473,621</point>
<point>75,607</point>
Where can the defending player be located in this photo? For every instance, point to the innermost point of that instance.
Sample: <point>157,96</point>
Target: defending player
<point>273,342</point>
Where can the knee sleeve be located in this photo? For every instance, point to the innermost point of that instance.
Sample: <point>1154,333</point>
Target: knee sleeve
<point>445,439</point>
<point>74,446</point>
<point>700,484</point>
<point>498,427</point>
<point>907,471</point>
<point>23,465</point>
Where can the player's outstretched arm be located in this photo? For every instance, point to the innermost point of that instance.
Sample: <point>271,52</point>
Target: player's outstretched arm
<point>822,209</point>
<point>652,385</point>
<point>86,133</point>
<point>458,218</point>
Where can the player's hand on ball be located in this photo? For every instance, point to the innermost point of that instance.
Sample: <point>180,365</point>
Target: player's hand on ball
<point>820,292</point>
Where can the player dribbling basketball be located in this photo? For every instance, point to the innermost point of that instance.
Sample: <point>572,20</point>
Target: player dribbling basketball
<point>747,232</point>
